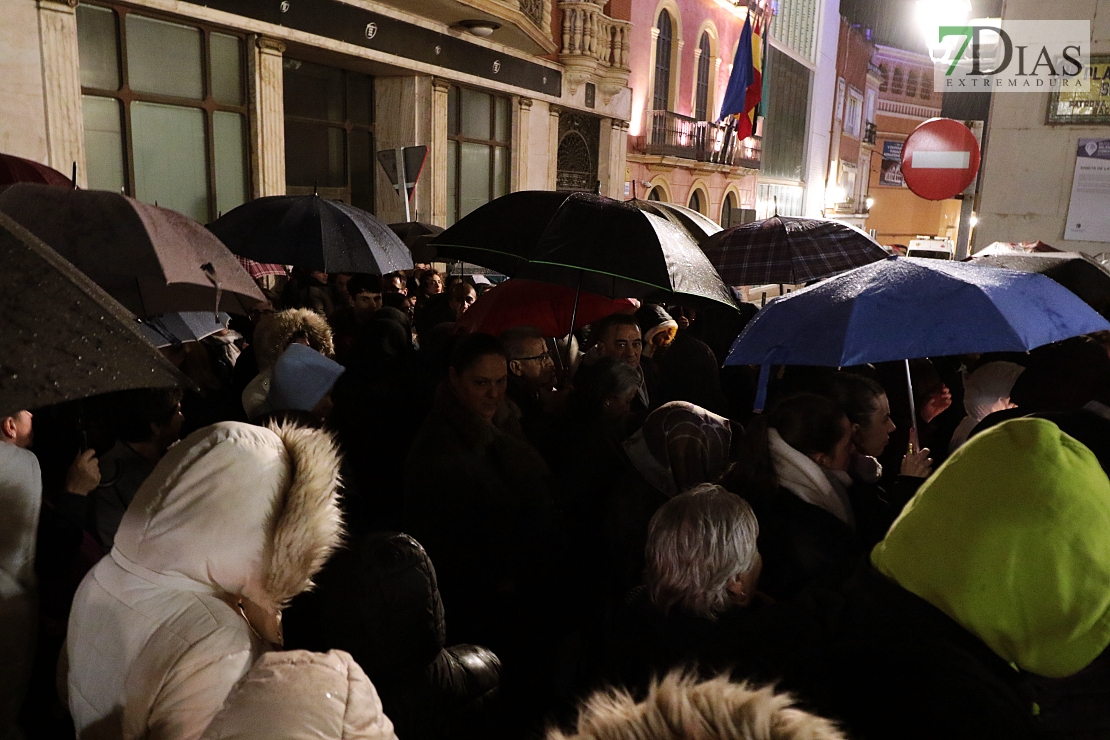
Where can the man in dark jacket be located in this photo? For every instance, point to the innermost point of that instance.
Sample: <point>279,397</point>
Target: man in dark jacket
<point>531,380</point>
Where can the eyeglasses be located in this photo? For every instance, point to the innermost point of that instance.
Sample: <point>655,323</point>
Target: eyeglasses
<point>545,357</point>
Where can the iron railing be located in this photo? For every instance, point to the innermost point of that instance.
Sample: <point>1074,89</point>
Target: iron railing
<point>672,135</point>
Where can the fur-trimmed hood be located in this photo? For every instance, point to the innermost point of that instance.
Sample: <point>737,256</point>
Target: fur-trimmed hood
<point>238,511</point>
<point>275,332</point>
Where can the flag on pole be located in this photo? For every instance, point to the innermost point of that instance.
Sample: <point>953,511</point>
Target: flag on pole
<point>746,125</point>
<point>743,74</point>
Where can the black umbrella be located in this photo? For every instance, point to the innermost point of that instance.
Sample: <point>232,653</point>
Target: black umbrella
<point>584,241</point>
<point>698,226</point>
<point>501,234</point>
<point>789,250</point>
<point>63,337</point>
<point>614,249</point>
<point>1075,271</point>
<point>416,236</point>
<point>152,260</point>
<point>313,233</point>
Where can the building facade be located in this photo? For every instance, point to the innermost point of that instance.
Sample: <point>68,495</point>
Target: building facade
<point>905,100</point>
<point>853,127</point>
<point>682,54</point>
<point>1027,196</point>
<point>201,107</point>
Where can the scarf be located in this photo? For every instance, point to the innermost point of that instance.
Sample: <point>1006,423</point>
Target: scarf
<point>825,489</point>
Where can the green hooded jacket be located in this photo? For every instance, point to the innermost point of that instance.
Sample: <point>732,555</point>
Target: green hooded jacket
<point>1011,539</point>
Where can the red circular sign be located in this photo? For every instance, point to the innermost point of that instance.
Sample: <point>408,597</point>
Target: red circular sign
<point>940,159</point>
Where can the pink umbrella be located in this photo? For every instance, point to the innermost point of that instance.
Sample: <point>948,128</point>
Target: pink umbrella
<point>545,306</point>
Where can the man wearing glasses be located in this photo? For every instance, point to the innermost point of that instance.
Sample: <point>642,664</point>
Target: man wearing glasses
<point>531,383</point>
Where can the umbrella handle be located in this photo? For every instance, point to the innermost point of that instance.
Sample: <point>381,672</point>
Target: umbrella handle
<point>574,315</point>
<point>210,271</point>
<point>913,407</point>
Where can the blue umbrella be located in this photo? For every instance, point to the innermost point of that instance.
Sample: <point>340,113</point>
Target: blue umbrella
<point>901,308</point>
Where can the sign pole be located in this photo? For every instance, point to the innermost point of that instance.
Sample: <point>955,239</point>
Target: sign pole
<point>402,183</point>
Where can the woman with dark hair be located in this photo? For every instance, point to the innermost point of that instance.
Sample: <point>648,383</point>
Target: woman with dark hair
<point>793,469</point>
<point>478,497</point>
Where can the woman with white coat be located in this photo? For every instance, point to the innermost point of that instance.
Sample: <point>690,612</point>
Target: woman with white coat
<point>233,523</point>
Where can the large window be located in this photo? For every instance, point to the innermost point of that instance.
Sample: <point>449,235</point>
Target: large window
<point>479,137</point>
<point>701,98</point>
<point>662,98</point>
<point>165,110</point>
<point>787,95</point>
<point>329,133</point>
<point>853,114</point>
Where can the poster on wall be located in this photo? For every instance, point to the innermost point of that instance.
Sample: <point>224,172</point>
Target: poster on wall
<point>1089,210</point>
<point>890,172</point>
<point>1084,108</point>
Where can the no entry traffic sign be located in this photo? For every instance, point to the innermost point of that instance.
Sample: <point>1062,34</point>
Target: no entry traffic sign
<point>940,159</point>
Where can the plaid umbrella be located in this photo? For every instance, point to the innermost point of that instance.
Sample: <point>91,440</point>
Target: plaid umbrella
<point>789,250</point>
<point>261,269</point>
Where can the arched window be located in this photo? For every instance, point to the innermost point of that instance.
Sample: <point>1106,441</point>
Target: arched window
<point>701,100</point>
<point>926,86</point>
<point>662,97</point>
<point>896,81</point>
<point>884,75</point>
<point>657,194</point>
<point>695,201</point>
<point>911,83</point>
<point>726,210</point>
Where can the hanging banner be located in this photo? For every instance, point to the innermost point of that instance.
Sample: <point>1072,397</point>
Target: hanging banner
<point>1089,210</point>
<point>890,172</point>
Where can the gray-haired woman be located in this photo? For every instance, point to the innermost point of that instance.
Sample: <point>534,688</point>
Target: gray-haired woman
<point>699,607</point>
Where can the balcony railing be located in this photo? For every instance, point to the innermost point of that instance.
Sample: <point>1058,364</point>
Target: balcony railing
<point>673,135</point>
<point>534,10</point>
<point>869,133</point>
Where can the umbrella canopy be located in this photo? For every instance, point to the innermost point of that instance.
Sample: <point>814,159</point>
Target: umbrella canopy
<point>312,233</point>
<point>416,236</point>
<point>904,307</point>
<point>259,270</point>
<point>16,169</point>
<point>699,227</point>
<point>546,307</point>
<point>152,260</point>
<point>185,326</point>
<point>503,233</point>
<point>1076,271</point>
<point>789,250</point>
<point>63,337</point>
<point>614,249</point>
<point>1036,247</point>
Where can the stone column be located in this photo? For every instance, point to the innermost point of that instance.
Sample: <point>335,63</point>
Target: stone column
<point>437,156</point>
<point>553,148</point>
<point>611,157</point>
<point>523,133</point>
<point>267,107</point>
<point>61,77</point>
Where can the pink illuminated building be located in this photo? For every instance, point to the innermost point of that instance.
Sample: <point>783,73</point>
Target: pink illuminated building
<point>681,56</point>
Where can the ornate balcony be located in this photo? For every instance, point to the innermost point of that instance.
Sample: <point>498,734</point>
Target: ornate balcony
<point>672,135</point>
<point>594,47</point>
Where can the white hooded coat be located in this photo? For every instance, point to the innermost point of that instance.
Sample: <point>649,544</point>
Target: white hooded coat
<point>234,514</point>
<point>299,695</point>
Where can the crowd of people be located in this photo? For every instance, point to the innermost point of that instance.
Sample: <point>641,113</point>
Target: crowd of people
<point>361,522</point>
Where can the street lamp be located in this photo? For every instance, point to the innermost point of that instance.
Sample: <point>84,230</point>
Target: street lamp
<point>931,15</point>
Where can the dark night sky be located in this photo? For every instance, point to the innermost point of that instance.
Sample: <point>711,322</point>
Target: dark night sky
<point>893,21</point>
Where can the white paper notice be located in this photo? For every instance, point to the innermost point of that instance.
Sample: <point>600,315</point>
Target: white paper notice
<point>1089,210</point>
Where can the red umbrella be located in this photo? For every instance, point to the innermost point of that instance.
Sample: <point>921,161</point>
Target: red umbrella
<point>16,169</point>
<point>542,305</point>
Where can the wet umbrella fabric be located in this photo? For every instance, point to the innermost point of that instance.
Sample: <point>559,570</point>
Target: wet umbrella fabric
<point>614,249</point>
<point>549,308</point>
<point>789,250</point>
<point>416,236</point>
<point>16,169</point>
<point>586,242</point>
<point>152,260</point>
<point>503,233</point>
<point>312,233</point>
<point>185,326</point>
<point>902,308</point>
<point>699,227</point>
<point>63,337</point>
<point>1075,271</point>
